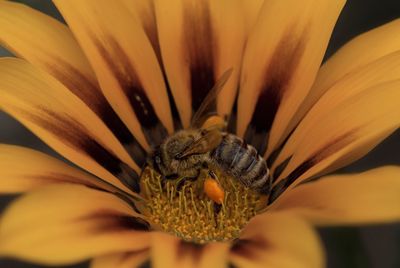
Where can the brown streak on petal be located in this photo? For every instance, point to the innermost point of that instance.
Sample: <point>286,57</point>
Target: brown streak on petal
<point>88,91</point>
<point>250,248</point>
<point>332,147</point>
<point>195,251</point>
<point>118,62</point>
<point>111,221</point>
<point>278,76</point>
<point>231,265</point>
<point>127,255</point>
<point>149,23</point>
<point>76,135</point>
<point>280,168</point>
<point>146,264</point>
<point>128,200</point>
<point>201,47</point>
<point>61,178</point>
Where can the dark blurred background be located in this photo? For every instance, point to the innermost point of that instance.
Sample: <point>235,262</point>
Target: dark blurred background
<point>352,247</point>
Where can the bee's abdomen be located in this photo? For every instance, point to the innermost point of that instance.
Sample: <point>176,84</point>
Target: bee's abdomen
<point>242,161</point>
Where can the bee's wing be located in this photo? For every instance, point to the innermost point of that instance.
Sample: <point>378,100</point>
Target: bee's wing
<point>203,111</point>
<point>209,140</point>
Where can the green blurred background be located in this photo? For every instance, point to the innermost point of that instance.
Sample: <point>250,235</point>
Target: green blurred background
<point>352,247</point>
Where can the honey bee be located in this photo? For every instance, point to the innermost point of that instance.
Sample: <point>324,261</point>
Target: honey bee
<point>187,152</point>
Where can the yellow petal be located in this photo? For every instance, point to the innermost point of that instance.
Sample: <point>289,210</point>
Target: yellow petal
<point>121,260</point>
<point>356,54</point>
<point>63,224</point>
<point>200,40</point>
<point>63,121</point>
<point>171,252</point>
<point>346,133</point>
<point>144,11</point>
<point>277,240</point>
<point>377,72</point>
<point>251,10</point>
<point>282,57</point>
<point>49,45</point>
<point>23,169</point>
<point>124,62</point>
<point>365,198</point>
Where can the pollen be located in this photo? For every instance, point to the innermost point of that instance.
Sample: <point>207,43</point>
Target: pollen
<point>200,210</point>
<point>214,191</point>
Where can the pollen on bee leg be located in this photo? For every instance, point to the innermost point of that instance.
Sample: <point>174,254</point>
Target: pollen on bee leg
<point>213,190</point>
<point>199,211</point>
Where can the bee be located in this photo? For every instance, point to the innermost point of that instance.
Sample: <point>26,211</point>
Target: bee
<point>204,145</point>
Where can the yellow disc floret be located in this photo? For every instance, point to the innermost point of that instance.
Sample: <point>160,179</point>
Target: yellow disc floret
<point>200,210</point>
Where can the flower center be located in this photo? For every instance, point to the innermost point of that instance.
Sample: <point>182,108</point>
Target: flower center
<point>187,209</point>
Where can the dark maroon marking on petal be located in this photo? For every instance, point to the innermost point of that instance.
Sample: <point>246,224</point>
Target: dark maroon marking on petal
<point>277,190</point>
<point>232,121</point>
<point>113,221</point>
<point>200,45</point>
<point>274,155</point>
<point>129,201</point>
<point>231,265</point>
<point>118,62</point>
<point>195,251</point>
<point>332,147</point>
<point>62,178</point>
<point>89,92</point>
<point>126,255</point>
<point>174,109</point>
<point>76,135</point>
<point>279,169</point>
<point>250,248</point>
<point>150,27</point>
<point>278,76</point>
<point>136,223</point>
<point>146,264</point>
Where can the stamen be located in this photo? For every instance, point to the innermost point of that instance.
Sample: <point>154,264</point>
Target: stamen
<point>187,212</point>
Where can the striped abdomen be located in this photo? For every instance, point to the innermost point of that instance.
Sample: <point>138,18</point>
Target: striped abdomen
<point>241,160</point>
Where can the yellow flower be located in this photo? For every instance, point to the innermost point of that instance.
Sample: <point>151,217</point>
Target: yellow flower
<point>124,74</point>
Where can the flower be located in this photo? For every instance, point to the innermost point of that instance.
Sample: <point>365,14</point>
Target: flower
<point>125,74</point>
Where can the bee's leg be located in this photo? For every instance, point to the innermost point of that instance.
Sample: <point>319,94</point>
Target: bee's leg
<point>212,174</point>
<point>217,209</point>
<point>171,176</point>
<point>194,175</point>
<point>188,177</point>
<point>204,165</point>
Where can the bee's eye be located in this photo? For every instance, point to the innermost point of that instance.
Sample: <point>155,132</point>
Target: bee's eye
<point>158,159</point>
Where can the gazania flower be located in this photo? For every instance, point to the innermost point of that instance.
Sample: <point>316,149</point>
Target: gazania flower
<point>111,86</point>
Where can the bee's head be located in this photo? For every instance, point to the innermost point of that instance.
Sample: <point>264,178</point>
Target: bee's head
<point>165,157</point>
<point>178,142</point>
